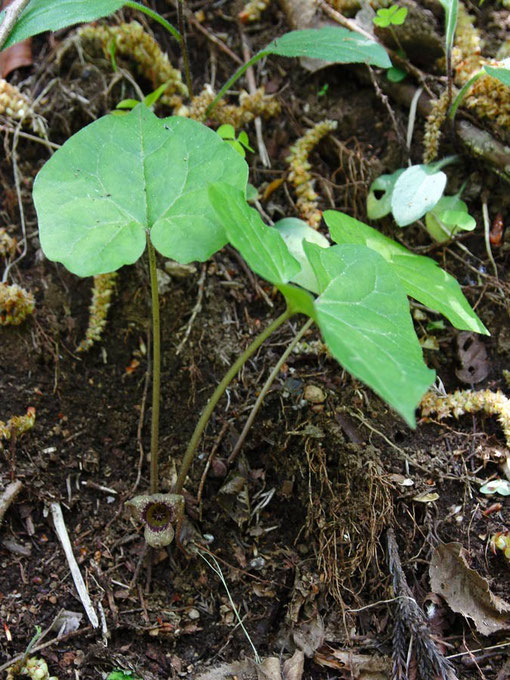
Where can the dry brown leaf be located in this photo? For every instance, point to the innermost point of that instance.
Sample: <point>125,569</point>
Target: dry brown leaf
<point>269,669</point>
<point>293,667</point>
<point>474,364</point>
<point>465,591</point>
<point>360,666</point>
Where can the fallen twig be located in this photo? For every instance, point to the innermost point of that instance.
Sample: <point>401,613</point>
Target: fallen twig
<point>8,495</point>
<point>61,530</point>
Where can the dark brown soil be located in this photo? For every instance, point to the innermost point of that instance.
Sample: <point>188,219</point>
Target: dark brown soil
<point>302,541</point>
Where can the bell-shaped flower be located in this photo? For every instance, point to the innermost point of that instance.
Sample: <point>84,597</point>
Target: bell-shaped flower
<point>158,512</point>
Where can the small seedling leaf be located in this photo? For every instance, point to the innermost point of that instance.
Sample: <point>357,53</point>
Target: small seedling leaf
<point>416,191</point>
<point>295,233</point>
<point>226,131</point>
<point>48,15</point>
<point>399,15</point>
<point>499,486</point>
<point>330,43</point>
<point>124,175</point>
<point>261,246</point>
<point>380,205</point>
<point>395,74</point>
<point>364,317</point>
<point>421,277</point>
<point>500,73</point>
<point>448,216</point>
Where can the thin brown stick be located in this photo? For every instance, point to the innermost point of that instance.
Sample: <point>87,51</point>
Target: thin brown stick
<point>11,16</point>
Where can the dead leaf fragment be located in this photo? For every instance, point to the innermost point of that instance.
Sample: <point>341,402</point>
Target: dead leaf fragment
<point>293,667</point>
<point>359,666</point>
<point>465,591</point>
<point>474,364</point>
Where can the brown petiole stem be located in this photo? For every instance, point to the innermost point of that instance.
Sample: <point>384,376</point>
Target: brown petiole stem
<point>156,369</point>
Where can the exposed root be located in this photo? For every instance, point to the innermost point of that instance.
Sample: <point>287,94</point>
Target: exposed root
<point>347,515</point>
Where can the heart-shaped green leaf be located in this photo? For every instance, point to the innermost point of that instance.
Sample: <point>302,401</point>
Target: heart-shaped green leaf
<point>122,176</point>
<point>380,194</point>
<point>416,191</point>
<point>261,246</point>
<point>364,317</point>
<point>421,277</point>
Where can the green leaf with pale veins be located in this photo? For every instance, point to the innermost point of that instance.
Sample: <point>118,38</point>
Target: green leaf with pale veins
<point>421,277</point>
<point>261,246</point>
<point>330,43</point>
<point>122,176</point>
<point>364,318</point>
<point>48,15</point>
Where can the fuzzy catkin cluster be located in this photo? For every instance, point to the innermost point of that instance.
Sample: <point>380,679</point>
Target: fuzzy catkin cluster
<point>16,304</point>
<point>252,10</point>
<point>300,175</point>
<point>132,41</point>
<point>467,51</point>
<point>433,125</point>
<point>8,244</point>
<point>102,292</point>
<point>250,106</point>
<point>17,425</point>
<point>467,401</point>
<point>13,103</point>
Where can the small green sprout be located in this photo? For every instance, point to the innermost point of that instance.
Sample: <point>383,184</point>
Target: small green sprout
<point>323,91</point>
<point>390,16</point>
<point>239,143</point>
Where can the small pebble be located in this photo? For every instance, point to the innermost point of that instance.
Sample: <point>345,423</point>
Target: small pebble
<point>314,394</point>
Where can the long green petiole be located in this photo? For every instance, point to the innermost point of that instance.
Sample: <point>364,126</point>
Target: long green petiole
<point>462,93</point>
<point>242,69</point>
<point>218,393</point>
<point>156,369</point>
<point>184,46</point>
<point>154,15</point>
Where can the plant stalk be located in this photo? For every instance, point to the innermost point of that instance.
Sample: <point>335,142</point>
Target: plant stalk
<point>265,390</point>
<point>156,369</point>
<point>154,15</point>
<point>184,46</point>
<point>218,393</point>
<point>12,13</point>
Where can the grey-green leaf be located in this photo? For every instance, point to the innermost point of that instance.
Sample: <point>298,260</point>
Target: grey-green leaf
<point>296,233</point>
<point>380,194</point>
<point>331,43</point>
<point>499,72</point>
<point>48,15</point>
<point>124,175</point>
<point>261,246</point>
<point>364,317</point>
<point>416,191</point>
<point>421,277</point>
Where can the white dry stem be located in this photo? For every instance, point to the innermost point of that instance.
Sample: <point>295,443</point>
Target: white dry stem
<point>11,16</point>
<point>8,495</point>
<point>61,530</point>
